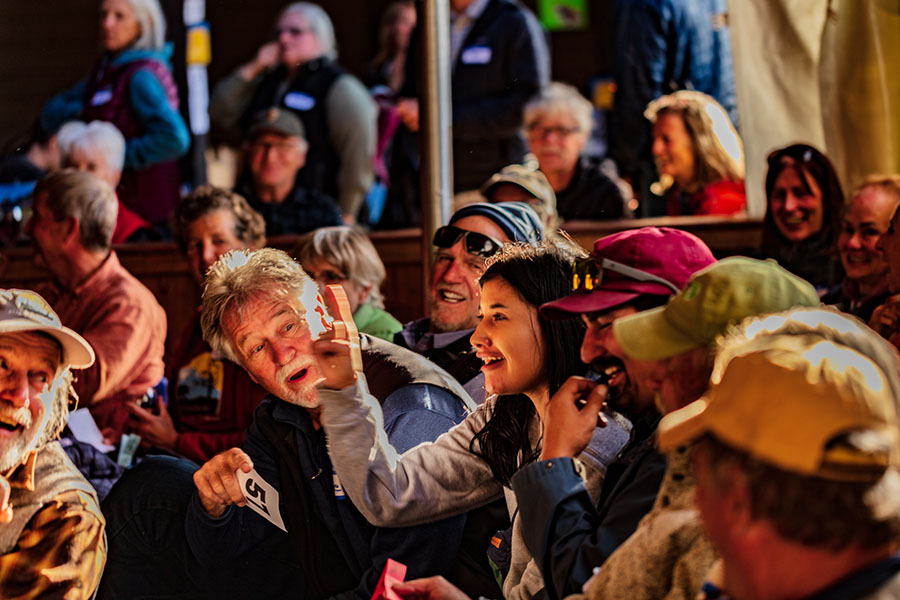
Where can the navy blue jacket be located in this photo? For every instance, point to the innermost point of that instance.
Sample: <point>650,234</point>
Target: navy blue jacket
<point>242,540</point>
<point>568,534</point>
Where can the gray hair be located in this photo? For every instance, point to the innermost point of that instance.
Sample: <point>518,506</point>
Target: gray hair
<point>351,252</point>
<point>72,193</point>
<point>319,22</point>
<point>153,25</point>
<point>240,275</point>
<point>560,98</point>
<point>91,138</point>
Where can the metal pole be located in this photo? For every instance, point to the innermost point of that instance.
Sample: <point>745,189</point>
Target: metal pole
<point>436,125</point>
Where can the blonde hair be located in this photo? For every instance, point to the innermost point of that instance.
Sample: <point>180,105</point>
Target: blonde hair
<point>351,252</point>
<point>240,275</point>
<point>889,184</point>
<point>72,193</point>
<point>718,150</point>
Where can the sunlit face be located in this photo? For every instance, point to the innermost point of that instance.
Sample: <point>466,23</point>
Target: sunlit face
<point>29,363</point>
<point>672,149</point>
<point>557,141</point>
<point>890,245</point>
<point>326,274</point>
<point>796,205</point>
<point>208,238</point>
<point>273,342</point>
<point>97,164</point>
<point>274,159</point>
<point>119,27</point>
<point>454,293</point>
<point>297,43</point>
<point>601,350</point>
<point>867,218</point>
<point>510,342</point>
<point>47,234</point>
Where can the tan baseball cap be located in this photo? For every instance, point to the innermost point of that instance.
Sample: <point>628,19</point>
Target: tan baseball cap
<point>796,404</point>
<point>24,310</point>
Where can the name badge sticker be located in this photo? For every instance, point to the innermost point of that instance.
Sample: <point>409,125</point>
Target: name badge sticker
<point>261,497</point>
<point>476,55</point>
<point>101,97</point>
<point>299,101</point>
<point>338,488</point>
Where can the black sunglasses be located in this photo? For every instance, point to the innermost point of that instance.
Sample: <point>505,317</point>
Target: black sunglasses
<point>587,274</point>
<point>476,243</point>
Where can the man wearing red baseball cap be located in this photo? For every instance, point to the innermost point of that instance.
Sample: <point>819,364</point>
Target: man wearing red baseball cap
<point>569,532</point>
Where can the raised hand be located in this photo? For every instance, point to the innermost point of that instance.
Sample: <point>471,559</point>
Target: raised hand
<point>337,352</point>
<point>571,417</point>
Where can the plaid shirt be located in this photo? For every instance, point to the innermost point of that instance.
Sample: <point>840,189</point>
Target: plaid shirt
<point>61,551</point>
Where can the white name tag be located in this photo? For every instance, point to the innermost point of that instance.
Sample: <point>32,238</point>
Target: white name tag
<point>101,97</point>
<point>261,497</point>
<point>299,101</point>
<point>476,55</point>
<point>338,488</point>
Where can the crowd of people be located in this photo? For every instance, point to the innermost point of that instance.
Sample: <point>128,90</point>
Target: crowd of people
<point>643,419</point>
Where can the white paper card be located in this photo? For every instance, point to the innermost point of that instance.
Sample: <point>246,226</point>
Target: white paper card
<point>476,55</point>
<point>85,429</point>
<point>261,497</point>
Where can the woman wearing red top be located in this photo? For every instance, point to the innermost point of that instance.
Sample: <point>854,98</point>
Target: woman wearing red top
<point>699,155</point>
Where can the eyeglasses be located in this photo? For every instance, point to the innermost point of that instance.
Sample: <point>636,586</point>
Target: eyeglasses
<point>279,147</point>
<point>587,274</point>
<point>328,276</point>
<point>292,31</point>
<point>536,131</point>
<point>476,243</point>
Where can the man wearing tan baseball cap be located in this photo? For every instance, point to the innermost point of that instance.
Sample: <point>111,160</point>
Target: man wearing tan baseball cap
<point>795,453</point>
<point>51,530</point>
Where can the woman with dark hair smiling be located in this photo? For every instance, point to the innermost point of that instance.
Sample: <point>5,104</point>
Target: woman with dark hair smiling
<point>526,359</point>
<point>802,220</point>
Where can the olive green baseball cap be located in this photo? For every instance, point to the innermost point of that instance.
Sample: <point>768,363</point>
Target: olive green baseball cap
<point>724,293</point>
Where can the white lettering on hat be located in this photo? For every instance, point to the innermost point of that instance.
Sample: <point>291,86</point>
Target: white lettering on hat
<point>101,97</point>
<point>299,101</point>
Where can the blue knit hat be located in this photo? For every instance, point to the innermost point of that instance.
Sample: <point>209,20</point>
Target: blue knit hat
<point>517,219</point>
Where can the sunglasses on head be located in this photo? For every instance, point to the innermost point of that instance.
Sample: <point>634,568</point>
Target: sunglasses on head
<point>476,243</point>
<point>587,274</point>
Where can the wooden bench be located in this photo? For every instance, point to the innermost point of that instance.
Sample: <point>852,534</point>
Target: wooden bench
<point>163,269</point>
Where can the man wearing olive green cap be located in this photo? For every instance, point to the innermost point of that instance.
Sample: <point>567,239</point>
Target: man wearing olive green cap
<point>795,453</point>
<point>672,347</point>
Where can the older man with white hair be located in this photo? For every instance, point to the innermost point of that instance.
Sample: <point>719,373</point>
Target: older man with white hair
<point>98,147</point>
<point>51,530</point>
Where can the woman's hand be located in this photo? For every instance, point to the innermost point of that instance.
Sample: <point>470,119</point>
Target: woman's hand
<point>266,58</point>
<point>337,352</point>
<point>571,417</point>
<point>155,430</point>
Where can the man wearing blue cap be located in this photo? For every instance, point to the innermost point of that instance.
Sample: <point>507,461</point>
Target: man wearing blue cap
<point>475,233</point>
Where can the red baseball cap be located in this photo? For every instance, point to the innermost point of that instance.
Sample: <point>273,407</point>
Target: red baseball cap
<point>660,253</point>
